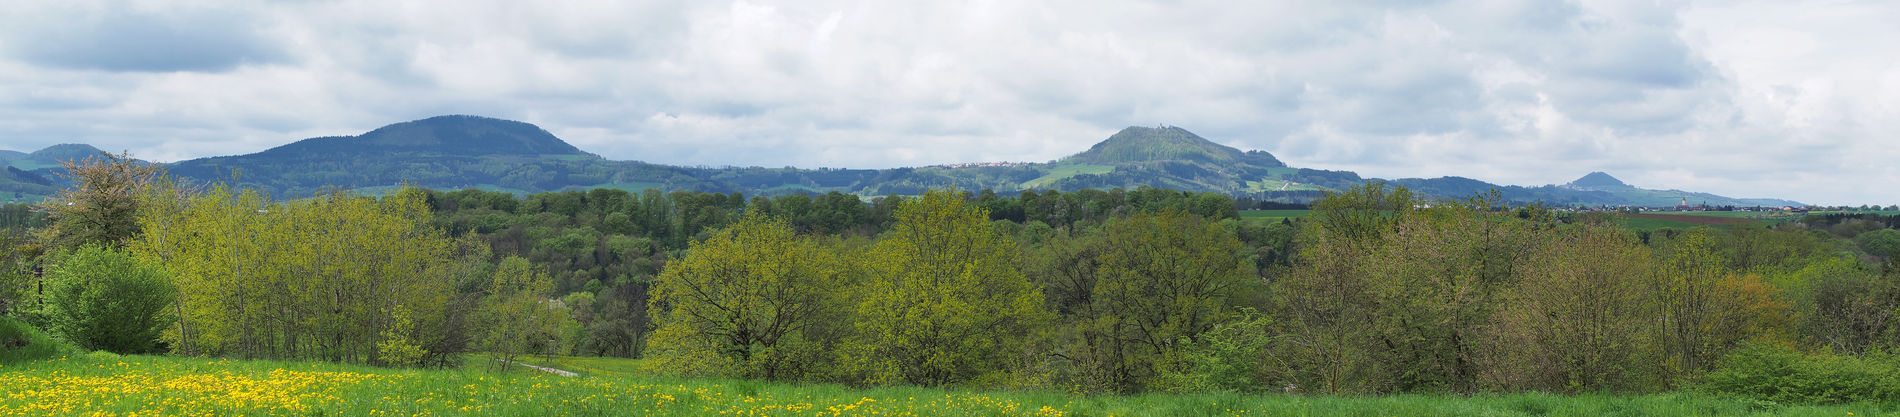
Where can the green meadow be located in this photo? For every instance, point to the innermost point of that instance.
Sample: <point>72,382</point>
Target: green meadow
<point>106,384</point>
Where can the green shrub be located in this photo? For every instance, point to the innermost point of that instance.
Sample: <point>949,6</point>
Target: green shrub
<point>103,299</point>
<point>20,343</point>
<point>1783,375</point>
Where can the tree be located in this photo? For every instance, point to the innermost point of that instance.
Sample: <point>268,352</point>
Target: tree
<point>316,278</point>
<point>1577,319</point>
<point>1327,301</point>
<point>1704,309</point>
<point>1163,280</point>
<point>1363,213</point>
<point>396,347</point>
<point>1849,308</point>
<point>942,300</point>
<point>1438,281</point>
<point>1883,243</point>
<point>15,279</point>
<point>104,299</point>
<point>749,295</point>
<point>102,207</point>
<point>518,318</point>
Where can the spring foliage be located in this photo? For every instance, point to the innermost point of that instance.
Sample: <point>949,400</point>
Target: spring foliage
<point>316,278</point>
<point>748,301</point>
<point>942,300</point>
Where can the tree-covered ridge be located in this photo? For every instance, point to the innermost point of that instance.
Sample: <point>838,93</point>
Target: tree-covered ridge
<point>440,135</point>
<point>64,151</point>
<point>23,186</point>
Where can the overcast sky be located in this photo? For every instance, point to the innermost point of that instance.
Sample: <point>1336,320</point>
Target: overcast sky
<point>1784,99</point>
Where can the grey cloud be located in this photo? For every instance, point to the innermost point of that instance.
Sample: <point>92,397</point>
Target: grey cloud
<point>136,41</point>
<point>1523,92</point>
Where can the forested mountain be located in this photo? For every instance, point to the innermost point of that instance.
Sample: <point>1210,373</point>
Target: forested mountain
<point>457,152</point>
<point>445,152</point>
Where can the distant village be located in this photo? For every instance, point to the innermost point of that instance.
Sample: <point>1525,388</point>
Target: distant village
<point>981,164</point>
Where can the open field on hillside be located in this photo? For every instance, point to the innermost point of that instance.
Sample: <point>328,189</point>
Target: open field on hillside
<point>1066,170</point>
<point>143,385</point>
<point>1272,215</point>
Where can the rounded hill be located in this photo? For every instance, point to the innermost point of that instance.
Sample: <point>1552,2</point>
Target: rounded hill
<point>1167,143</point>
<point>445,135</point>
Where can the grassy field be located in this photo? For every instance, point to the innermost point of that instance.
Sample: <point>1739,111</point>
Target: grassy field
<point>1272,215</point>
<point>104,384</point>
<point>1066,170</point>
<point>1685,220</point>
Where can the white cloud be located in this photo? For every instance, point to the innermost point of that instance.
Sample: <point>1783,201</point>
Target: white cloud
<point>1740,98</point>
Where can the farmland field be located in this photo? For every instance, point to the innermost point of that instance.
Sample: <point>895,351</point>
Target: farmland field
<point>107,384</point>
<point>1653,221</point>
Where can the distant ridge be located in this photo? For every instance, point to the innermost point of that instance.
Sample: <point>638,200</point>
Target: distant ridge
<point>446,135</point>
<point>460,151</point>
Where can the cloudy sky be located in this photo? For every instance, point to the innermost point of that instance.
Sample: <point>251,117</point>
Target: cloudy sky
<point>1775,98</point>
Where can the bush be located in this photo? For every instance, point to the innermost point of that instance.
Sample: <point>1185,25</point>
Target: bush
<point>103,299</point>
<point>1781,374</point>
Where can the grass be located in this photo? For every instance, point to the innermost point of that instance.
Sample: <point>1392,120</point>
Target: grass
<point>584,365</point>
<point>110,384</point>
<point>1066,170</point>
<point>1731,214</point>
<point>596,366</point>
<point>20,343</point>
<point>1879,212</point>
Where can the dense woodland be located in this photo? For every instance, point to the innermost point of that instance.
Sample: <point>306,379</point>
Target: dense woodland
<point>1377,291</point>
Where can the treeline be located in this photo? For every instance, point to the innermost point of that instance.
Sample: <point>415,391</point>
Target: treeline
<point>602,248</point>
<point>1377,291</point>
<point>1383,293</point>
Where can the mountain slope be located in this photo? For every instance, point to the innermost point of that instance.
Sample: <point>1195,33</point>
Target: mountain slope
<point>17,185</point>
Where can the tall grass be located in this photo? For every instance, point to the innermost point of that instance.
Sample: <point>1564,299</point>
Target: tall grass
<point>20,343</point>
